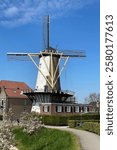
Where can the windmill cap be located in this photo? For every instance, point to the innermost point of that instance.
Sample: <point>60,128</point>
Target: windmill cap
<point>50,49</point>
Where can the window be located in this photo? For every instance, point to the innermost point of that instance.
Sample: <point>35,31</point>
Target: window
<point>81,109</point>
<point>68,108</point>
<point>2,103</point>
<point>45,88</point>
<point>59,108</point>
<point>77,109</point>
<point>88,109</point>
<point>46,108</point>
<point>85,109</point>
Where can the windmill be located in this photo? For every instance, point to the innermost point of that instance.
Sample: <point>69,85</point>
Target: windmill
<point>48,87</point>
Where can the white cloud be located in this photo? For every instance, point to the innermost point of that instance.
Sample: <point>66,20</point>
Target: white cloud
<point>10,12</point>
<point>19,12</point>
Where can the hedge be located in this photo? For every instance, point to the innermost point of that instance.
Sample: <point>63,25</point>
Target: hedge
<point>89,126</point>
<point>59,120</point>
<point>54,120</point>
<point>92,127</point>
<point>75,123</point>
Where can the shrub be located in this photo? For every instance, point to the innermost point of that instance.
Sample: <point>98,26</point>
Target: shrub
<point>6,138</point>
<point>63,120</point>
<point>72,123</point>
<point>54,120</point>
<point>75,123</point>
<point>92,127</point>
<point>30,122</point>
<point>91,117</point>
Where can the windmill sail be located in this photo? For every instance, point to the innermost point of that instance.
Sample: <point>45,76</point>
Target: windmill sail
<point>60,53</point>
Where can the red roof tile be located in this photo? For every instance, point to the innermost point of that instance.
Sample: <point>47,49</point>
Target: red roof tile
<point>14,89</point>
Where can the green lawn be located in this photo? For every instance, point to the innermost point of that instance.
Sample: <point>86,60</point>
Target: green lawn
<point>46,139</point>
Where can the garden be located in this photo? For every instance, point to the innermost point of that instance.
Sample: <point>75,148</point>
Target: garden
<point>31,134</point>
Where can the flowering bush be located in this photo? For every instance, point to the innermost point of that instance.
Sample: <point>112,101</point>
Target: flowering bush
<point>31,123</point>
<point>6,138</point>
<point>8,117</point>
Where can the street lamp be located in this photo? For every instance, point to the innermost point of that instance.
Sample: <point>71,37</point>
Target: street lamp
<point>97,104</point>
<point>81,117</point>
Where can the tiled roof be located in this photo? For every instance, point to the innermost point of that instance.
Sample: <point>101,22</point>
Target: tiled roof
<point>14,89</point>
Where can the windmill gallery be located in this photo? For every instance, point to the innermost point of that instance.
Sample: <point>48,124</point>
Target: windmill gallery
<point>48,97</point>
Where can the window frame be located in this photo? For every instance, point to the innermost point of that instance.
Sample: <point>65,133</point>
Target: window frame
<point>46,108</point>
<point>59,109</point>
<point>68,109</point>
<point>77,109</point>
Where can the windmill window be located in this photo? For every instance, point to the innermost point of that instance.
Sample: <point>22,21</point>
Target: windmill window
<point>45,88</point>
<point>46,108</point>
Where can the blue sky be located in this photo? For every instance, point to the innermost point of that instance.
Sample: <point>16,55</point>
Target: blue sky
<point>74,26</point>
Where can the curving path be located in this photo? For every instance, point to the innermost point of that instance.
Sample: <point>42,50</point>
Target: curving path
<point>88,140</point>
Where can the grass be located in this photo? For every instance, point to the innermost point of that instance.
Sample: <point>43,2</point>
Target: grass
<point>46,139</point>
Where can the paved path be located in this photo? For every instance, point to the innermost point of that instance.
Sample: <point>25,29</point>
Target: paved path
<point>88,140</point>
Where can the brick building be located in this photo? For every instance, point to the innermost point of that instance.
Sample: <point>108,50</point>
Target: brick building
<point>64,108</point>
<point>11,96</point>
<point>50,103</point>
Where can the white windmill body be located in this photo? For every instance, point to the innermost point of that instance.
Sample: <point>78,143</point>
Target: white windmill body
<point>48,79</point>
<point>48,72</point>
<point>41,81</point>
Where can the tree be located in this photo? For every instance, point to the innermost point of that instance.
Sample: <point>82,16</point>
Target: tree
<point>93,97</point>
<point>94,100</point>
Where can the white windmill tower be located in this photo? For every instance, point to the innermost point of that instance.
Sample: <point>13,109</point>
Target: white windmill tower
<point>48,88</point>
